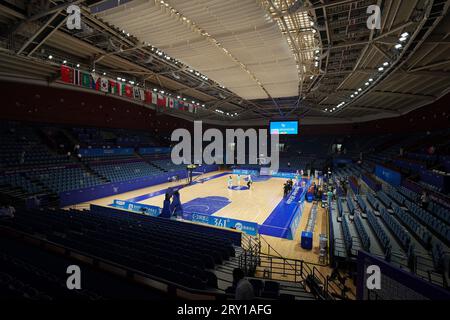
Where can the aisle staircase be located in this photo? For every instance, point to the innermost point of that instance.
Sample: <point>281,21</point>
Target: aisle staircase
<point>287,289</point>
<point>294,279</point>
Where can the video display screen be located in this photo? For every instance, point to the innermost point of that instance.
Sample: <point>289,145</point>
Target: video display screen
<point>284,127</point>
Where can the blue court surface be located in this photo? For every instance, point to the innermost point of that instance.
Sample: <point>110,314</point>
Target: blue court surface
<point>238,188</point>
<point>206,205</point>
<point>278,222</point>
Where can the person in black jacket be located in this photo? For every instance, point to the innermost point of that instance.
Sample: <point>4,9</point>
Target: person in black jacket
<point>165,213</point>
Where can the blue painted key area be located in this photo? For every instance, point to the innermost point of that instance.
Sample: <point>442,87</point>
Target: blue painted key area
<point>206,205</point>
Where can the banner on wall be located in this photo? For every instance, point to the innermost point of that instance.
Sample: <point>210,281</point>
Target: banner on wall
<point>144,209</point>
<point>388,175</point>
<point>285,175</point>
<point>249,228</point>
<point>297,216</point>
<point>246,172</point>
<point>155,150</point>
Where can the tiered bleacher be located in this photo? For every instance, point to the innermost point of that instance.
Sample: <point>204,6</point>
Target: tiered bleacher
<point>153,247</point>
<point>47,161</point>
<point>391,216</point>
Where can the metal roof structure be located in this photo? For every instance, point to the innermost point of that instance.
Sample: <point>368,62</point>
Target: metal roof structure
<point>245,61</point>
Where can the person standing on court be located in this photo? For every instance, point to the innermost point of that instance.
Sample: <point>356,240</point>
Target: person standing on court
<point>165,212</point>
<point>285,189</point>
<point>175,207</point>
<point>249,181</point>
<point>230,182</point>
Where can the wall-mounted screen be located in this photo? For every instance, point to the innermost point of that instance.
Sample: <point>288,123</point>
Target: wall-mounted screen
<point>284,127</point>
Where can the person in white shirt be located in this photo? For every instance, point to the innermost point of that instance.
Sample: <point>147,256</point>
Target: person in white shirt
<point>244,289</point>
<point>230,182</point>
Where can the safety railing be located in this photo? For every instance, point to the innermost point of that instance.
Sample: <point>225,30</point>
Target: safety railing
<point>272,265</point>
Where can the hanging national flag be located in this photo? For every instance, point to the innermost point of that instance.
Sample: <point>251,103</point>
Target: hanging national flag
<point>148,96</point>
<point>191,107</point>
<point>96,83</point>
<point>142,94</point>
<point>77,77</point>
<point>104,87</point>
<point>86,80</point>
<point>161,100</point>
<point>171,103</point>
<point>154,98</point>
<point>112,87</point>
<point>136,94</point>
<point>128,91</point>
<point>175,103</point>
<point>66,74</point>
<point>180,105</point>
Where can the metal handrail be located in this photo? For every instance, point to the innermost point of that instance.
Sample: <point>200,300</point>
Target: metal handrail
<point>300,269</point>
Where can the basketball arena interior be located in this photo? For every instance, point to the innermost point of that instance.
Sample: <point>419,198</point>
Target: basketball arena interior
<point>334,185</point>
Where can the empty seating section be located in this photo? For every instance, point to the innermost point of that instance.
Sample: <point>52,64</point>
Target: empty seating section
<point>399,198</point>
<point>348,240</point>
<point>44,172</point>
<point>339,207</point>
<point>437,210</point>
<point>435,181</point>
<point>382,237</point>
<point>350,205</point>
<point>66,179</point>
<point>440,256</point>
<point>373,201</point>
<point>353,183</point>
<point>18,180</point>
<point>339,190</point>
<point>94,137</point>
<point>22,279</point>
<point>303,154</point>
<point>384,199</point>
<point>440,211</point>
<point>422,234</point>
<point>171,250</point>
<point>434,224</point>
<point>397,229</point>
<point>20,146</point>
<point>410,165</point>
<point>125,171</point>
<point>408,193</point>
<point>296,162</point>
<point>167,165</point>
<point>361,202</point>
<point>371,182</point>
<point>365,240</point>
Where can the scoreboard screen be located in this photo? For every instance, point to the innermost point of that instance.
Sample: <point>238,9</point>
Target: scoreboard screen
<point>283,127</point>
